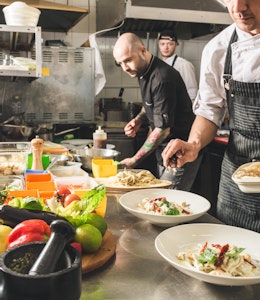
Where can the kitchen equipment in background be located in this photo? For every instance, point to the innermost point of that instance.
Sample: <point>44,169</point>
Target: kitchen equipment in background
<point>113,109</point>
<point>133,109</point>
<point>81,144</point>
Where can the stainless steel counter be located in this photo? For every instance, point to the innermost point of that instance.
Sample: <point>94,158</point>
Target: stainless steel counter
<point>137,271</point>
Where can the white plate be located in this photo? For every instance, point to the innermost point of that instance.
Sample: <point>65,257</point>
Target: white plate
<point>111,186</point>
<point>198,205</point>
<point>176,239</point>
<point>247,184</point>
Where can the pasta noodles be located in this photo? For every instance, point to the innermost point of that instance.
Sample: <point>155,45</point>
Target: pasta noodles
<point>221,260</point>
<point>138,178</point>
<point>160,206</point>
<point>250,170</point>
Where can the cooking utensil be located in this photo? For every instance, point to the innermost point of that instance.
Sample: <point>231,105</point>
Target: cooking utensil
<point>61,233</point>
<point>53,162</point>
<point>64,282</point>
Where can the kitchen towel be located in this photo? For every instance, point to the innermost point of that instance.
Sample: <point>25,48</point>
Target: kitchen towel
<point>100,78</point>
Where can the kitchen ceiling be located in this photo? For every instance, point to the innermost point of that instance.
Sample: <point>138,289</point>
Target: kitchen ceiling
<point>190,18</point>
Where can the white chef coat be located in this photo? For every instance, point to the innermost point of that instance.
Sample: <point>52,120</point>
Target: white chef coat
<point>187,71</point>
<point>211,99</point>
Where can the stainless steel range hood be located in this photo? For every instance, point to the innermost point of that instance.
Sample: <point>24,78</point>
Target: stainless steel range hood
<point>189,18</point>
<point>54,16</point>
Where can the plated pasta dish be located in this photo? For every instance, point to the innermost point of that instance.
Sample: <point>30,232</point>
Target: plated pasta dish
<point>221,260</point>
<point>135,178</point>
<point>161,206</point>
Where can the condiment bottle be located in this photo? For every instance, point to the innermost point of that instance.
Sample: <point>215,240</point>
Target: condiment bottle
<point>99,138</point>
<point>37,150</point>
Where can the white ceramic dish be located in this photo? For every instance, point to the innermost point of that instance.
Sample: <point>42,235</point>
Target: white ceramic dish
<point>198,205</point>
<point>176,239</point>
<point>20,14</point>
<point>71,169</point>
<point>247,184</point>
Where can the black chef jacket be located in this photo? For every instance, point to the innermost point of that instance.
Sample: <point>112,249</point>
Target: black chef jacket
<point>165,99</point>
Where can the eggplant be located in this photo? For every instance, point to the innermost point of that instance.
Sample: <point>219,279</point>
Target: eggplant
<point>12,216</point>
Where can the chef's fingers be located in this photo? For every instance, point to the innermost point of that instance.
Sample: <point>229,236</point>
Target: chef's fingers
<point>170,150</point>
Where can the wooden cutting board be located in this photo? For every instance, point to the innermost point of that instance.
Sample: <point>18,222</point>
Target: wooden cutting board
<point>91,262</point>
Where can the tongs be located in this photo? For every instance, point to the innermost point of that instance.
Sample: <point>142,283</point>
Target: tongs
<point>172,164</point>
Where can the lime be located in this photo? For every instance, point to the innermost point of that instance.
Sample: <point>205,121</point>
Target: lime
<point>89,237</point>
<point>97,221</point>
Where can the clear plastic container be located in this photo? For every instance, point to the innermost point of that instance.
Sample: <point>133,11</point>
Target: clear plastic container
<point>13,157</point>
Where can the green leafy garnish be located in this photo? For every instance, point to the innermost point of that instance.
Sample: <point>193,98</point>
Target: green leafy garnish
<point>27,203</point>
<point>172,212</point>
<point>208,256</point>
<point>235,252</point>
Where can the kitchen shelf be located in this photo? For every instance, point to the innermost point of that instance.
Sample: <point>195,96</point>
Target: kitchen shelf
<point>21,41</point>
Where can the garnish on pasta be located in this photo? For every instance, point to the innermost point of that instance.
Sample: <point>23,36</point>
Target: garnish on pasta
<point>222,260</point>
<point>161,206</point>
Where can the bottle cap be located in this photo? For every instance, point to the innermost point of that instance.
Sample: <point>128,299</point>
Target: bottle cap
<point>99,130</point>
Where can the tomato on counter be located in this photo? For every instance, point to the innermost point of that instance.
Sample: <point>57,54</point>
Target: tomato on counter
<point>70,198</point>
<point>61,193</point>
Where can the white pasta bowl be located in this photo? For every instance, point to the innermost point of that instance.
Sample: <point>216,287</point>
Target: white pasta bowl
<point>172,241</point>
<point>247,177</point>
<point>198,205</point>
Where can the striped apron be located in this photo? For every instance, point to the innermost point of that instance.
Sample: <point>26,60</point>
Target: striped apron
<point>235,207</point>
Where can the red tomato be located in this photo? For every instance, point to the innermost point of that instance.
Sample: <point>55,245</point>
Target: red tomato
<point>77,246</point>
<point>61,193</point>
<point>70,198</point>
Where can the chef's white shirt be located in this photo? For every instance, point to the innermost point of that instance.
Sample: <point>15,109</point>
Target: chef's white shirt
<point>211,99</point>
<point>187,71</point>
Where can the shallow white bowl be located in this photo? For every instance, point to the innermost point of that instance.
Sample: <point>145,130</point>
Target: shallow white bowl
<point>247,184</point>
<point>176,239</point>
<point>198,205</point>
<point>20,14</point>
<point>71,169</point>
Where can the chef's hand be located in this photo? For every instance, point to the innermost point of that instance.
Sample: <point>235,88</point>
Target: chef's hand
<point>129,162</point>
<point>184,151</point>
<point>132,127</point>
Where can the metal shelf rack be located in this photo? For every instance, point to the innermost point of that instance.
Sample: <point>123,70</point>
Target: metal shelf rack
<point>20,41</point>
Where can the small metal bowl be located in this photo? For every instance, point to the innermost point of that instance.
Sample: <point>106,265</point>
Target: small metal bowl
<point>86,155</point>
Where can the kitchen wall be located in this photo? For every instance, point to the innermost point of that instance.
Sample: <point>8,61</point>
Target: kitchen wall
<point>115,77</point>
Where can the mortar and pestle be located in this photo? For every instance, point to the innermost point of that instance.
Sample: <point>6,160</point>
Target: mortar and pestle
<point>40,270</point>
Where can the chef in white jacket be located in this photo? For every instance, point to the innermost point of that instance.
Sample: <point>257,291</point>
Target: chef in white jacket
<point>167,43</point>
<point>230,81</point>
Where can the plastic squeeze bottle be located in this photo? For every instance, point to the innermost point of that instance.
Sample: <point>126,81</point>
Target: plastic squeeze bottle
<point>99,138</point>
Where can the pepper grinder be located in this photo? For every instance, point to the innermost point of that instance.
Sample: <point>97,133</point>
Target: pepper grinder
<point>37,150</point>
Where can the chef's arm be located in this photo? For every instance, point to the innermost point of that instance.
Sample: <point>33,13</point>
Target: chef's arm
<point>154,139</point>
<point>202,132</point>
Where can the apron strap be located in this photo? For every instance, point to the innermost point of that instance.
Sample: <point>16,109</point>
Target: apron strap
<point>174,60</point>
<point>228,62</point>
